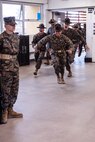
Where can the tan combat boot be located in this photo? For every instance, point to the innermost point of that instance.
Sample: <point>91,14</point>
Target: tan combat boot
<point>62,81</point>
<point>58,80</point>
<point>70,74</point>
<point>47,62</point>
<point>13,114</point>
<point>35,72</point>
<point>4,116</point>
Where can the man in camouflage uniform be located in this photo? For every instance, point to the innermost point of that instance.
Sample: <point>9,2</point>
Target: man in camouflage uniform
<point>82,32</point>
<point>9,69</point>
<point>75,37</point>
<point>39,54</point>
<point>1,93</point>
<point>59,44</point>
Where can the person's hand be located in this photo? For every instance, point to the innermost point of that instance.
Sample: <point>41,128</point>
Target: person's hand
<point>86,47</point>
<point>34,46</point>
<point>36,49</point>
<point>69,51</point>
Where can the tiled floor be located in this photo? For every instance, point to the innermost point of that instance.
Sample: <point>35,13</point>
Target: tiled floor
<point>53,112</point>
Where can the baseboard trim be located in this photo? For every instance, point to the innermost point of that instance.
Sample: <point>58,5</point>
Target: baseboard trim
<point>88,59</point>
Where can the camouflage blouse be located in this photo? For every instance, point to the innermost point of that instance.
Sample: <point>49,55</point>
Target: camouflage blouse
<point>73,35</point>
<point>61,42</point>
<point>9,46</point>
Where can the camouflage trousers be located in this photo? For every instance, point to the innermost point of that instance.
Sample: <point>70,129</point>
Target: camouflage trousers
<point>36,56</point>
<point>9,85</point>
<point>70,58</point>
<point>48,55</point>
<point>39,60</point>
<point>75,48</point>
<point>58,64</point>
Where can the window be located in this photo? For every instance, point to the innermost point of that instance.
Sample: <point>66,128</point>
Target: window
<point>31,20</point>
<point>28,17</point>
<point>76,17</point>
<point>31,27</point>
<point>12,10</point>
<point>31,12</point>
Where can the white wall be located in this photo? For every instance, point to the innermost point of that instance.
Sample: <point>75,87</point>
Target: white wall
<point>89,33</point>
<point>70,3</point>
<point>32,1</point>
